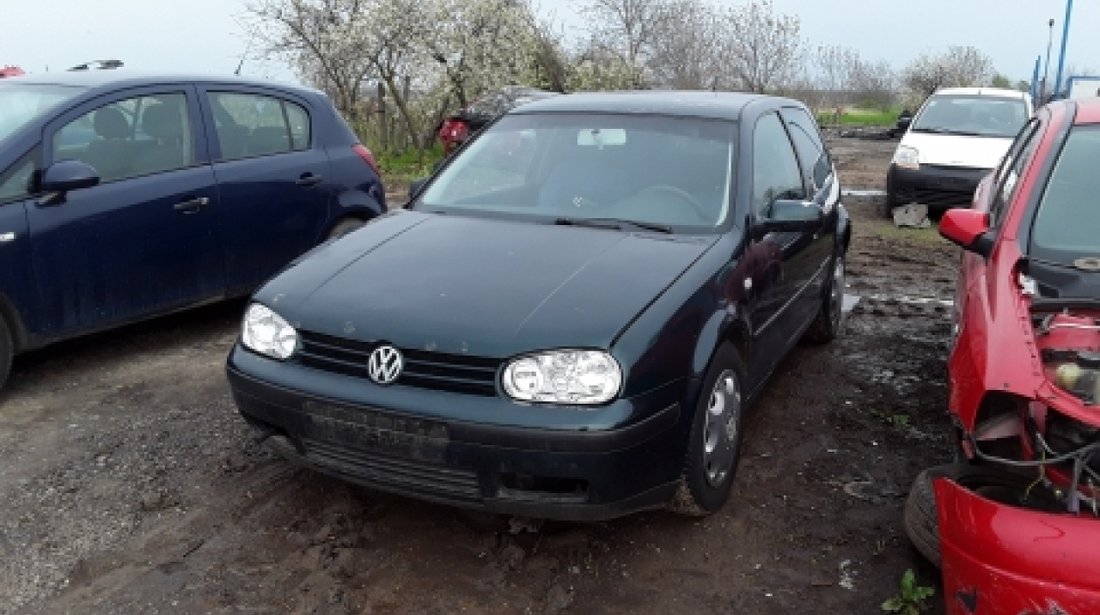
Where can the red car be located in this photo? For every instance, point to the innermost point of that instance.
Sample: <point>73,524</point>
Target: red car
<point>1015,523</point>
<point>458,127</point>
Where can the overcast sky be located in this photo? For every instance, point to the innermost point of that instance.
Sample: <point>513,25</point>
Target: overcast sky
<point>208,36</point>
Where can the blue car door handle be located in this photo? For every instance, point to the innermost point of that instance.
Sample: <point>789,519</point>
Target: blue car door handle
<point>192,206</point>
<point>309,179</point>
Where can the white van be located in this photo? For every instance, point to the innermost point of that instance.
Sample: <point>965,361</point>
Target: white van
<point>958,136</point>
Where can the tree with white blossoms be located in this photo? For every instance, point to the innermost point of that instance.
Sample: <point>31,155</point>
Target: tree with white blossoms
<point>762,50</point>
<point>956,67</point>
<point>686,45</point>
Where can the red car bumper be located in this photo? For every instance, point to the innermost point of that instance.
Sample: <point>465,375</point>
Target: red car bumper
<point>1001,559</point>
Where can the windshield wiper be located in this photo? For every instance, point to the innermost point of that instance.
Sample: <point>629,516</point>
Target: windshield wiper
<point>948,131</point>
<point>618,224</point>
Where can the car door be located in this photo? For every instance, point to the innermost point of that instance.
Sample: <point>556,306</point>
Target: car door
<point>823,189</point>
<point>778,307</point>
<point>144,240</point>
<point>272,180</point>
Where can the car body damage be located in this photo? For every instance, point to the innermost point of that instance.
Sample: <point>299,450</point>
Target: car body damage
<point>1015,524</point>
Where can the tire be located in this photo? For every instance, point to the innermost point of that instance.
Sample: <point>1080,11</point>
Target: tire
<point>830,316</point>
<point>7,351</point>
<point>705,483</point>
<point>998,484</point>
<point>343,227</point>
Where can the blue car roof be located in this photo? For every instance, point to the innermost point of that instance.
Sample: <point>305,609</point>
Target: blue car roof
<point>113,79</point>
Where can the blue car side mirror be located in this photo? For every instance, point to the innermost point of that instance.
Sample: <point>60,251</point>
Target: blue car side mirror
<point>65,175</point>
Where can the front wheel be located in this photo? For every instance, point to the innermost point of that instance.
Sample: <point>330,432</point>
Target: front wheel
<point>715,439</point>
<point>830,316</point>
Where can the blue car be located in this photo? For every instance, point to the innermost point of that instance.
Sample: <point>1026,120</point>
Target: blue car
<point>123,196</point>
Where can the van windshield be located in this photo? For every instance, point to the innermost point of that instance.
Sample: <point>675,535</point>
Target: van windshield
<point>21,103</point>
<point>973,115</point>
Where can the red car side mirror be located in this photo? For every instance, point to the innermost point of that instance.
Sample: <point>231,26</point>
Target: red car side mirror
<point>969,229</point>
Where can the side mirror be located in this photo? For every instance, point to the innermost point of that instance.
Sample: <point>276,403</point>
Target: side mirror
<point>65,175</point>
<point>790,216</point>
<point>904,121</point>
<point>969,229</point>
<point>416,186</point>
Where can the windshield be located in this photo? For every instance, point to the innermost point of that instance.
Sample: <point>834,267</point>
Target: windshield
<point>981,116</point>
<point>671,172</point>
<point>1067,221</point>
<point>20,103</point>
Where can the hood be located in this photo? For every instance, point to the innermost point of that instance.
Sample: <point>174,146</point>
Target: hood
<point>492,288</point>
<point>957,150</point>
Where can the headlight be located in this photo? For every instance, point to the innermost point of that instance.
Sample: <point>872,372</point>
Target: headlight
<point>907,157</point>
<point>267,333</point>
<point>564,377</point>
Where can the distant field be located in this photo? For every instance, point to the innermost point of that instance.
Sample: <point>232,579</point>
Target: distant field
<point>852,116</point>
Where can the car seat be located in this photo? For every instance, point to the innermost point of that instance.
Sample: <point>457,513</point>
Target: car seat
<point>110,153</point>
<point>164,123</point>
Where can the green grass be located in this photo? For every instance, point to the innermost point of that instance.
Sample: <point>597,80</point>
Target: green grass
<point>403,167</point>
<point>886,229</point>
<point>860,117</point>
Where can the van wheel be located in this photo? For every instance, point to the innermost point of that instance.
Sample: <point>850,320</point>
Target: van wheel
<point>344,227</point>
<point>7,351</point>
<point>715,438</point>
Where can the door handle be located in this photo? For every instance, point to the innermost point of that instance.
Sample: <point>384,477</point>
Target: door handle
<point>192,206</point>
<point>309,179</point>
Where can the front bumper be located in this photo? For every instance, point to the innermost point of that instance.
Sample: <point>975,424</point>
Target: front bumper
<point>938,187</point>
<point>1001,559</point>
<point>580,473</point>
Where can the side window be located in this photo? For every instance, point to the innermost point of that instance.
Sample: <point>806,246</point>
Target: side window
<point>807,140</point>
<point>298,119</point>
<point>131,137</point>
<point>251,125</point>
<point>775,171</point>
<point>16,182</point>
<point>1012,167</point>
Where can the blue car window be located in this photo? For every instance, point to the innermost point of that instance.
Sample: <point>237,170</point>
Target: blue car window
<point>251,125</point>
<point>136,136</point>
<point>17,182</point>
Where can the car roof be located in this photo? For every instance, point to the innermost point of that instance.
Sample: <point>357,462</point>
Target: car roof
<point>1001,92</point>
<point>718,105</point>
<point>117,78</point>
<point>1088,111</point>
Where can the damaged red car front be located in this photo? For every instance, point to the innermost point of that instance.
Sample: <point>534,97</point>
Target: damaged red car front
<point>1015,523</point>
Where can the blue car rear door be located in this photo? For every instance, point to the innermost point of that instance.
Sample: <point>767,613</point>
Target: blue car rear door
<point>272,177</point>
<point>144,240</point>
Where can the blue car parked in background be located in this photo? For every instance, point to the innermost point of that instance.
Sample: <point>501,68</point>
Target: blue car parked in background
<point>123,196</point>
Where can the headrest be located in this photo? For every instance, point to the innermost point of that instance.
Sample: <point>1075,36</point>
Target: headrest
<point>109,123</point>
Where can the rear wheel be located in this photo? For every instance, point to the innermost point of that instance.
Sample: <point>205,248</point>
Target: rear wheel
<point>7,350</point>
<point>830,316</point>
<point>715,439</point>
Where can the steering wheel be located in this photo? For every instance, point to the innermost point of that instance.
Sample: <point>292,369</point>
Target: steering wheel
<point>680,194</point>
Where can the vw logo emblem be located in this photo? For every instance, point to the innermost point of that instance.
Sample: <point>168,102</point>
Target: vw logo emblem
<point>385,364</point>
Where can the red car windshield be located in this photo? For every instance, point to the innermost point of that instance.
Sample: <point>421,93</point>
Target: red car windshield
<point>1067,225</point>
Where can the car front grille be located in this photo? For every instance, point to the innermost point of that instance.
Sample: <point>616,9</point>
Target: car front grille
<point>396,473</point>
<point>423,369</point>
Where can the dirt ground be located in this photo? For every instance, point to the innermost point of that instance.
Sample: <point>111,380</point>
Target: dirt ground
<point>130,485</point>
